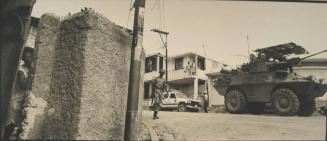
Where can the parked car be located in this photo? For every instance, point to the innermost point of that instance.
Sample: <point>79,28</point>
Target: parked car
<point>178,100</point>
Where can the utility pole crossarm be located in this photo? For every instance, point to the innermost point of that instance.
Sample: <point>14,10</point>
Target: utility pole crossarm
<point>160,31</point>
<point>165,45</point>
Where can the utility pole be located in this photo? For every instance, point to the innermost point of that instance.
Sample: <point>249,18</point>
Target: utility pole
<point>165,45</point>
<point>132,125</point>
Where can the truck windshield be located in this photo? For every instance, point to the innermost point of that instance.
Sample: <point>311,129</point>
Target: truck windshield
<point>172,95</point>
<point>181,95</point>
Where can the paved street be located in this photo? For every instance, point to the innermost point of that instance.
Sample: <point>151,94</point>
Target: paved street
<point>219,126</point>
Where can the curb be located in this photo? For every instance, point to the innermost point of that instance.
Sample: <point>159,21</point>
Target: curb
<point>153,134</point>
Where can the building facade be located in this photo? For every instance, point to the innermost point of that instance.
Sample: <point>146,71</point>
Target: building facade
<point>316,67</point>
<point>186,73</point>
<point>33,31</point>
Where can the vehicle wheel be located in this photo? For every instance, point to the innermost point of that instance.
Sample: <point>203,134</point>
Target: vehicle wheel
<point>285,102</point>
<point>181,107</point>
<point>256,108</point>
<point>307,107</point>
<point>235,101</point>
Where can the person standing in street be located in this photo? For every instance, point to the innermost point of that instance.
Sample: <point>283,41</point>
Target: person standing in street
<point>159,87</point>
<point>206,102</point>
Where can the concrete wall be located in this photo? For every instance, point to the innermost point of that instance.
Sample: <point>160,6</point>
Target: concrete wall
<point>151,75</point>
<point>141,92</point>
<point>32,37</point>
<point>90,80</point>
<point>39,95</point>
<point>82,77</point>
<point>214,97</point>
<point>212,66</point>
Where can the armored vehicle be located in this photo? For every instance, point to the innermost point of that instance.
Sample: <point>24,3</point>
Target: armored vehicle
<point>269,78</point>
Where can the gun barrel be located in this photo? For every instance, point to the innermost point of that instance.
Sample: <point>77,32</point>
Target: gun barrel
<point>313,55</point>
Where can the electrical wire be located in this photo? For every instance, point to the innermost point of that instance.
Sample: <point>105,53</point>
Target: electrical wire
<point>164,17</point>
<point>154,5</point>
<point>160,15</point>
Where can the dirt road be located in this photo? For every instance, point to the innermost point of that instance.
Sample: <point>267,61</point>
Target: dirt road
<point>219,126</point>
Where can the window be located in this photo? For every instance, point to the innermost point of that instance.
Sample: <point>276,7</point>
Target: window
<point>201,63</point>
<point>165,95</point>
<point>179,63</point>
<point>172,96</point>
<point>161,63</point>
<point>146,91</point>
<point>151,64</point>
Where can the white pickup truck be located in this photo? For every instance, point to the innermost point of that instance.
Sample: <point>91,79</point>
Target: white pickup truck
<point>178,100</point>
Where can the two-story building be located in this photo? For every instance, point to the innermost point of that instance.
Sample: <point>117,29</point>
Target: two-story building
<point>186,73</point>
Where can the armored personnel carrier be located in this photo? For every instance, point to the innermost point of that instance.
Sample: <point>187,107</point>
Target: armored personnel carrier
<point>269,78</point>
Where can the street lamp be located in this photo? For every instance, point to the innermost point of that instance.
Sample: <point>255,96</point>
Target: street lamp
<point>165,45</point>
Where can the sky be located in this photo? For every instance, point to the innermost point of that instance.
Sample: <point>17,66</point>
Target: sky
<point>215,29</point>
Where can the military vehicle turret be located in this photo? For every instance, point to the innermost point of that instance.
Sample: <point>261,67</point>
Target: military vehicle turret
<point>269,78</point>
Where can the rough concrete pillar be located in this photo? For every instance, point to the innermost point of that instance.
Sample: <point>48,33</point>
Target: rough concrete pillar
<point>45,43</point>
<point>134,107</point>
<point>135,119</point>
<point>89,87</point>
<point>158,64</point>
<point>44,51</point>
<point>196,88</point>
<point>141,95</point>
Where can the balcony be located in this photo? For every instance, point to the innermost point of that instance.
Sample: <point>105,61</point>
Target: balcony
<point>180,74</point>
<point>151,75</point>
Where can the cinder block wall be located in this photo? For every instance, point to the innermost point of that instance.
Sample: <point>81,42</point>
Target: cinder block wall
<point>89,85</point>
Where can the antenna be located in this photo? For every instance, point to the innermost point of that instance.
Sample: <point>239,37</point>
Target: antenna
<point>204,50</point>
<point>247,39</point>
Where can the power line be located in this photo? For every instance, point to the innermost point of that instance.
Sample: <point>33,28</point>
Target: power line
<point>154,5</point>
<point>160,14</point>
<point>164,17</point>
